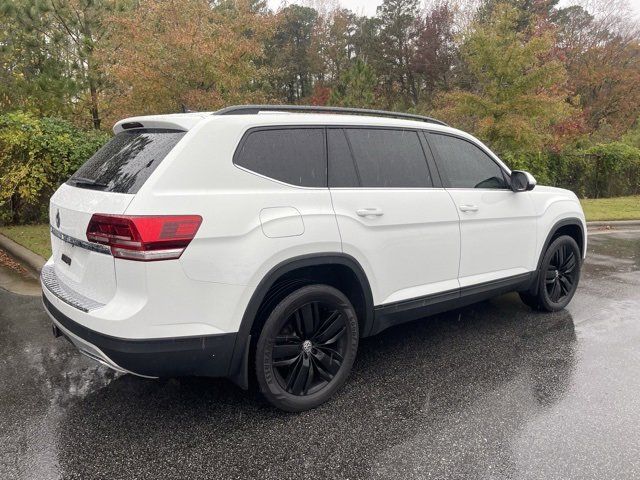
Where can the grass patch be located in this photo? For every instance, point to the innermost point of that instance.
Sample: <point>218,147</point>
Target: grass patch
<point>34,237</point>
<point>619,208</point>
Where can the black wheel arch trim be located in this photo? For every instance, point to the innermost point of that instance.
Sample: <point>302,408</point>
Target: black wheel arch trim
<point>570,221</point>
<point>239,366</point>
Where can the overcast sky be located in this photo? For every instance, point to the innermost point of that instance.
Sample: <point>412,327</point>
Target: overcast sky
<point>368,7</point>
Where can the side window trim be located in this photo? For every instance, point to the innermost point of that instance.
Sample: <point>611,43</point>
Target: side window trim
<point>353,157</point>
<point>439,161</point>
<point>263,128</point>
<point>436,178</point>
<point>432,179</point>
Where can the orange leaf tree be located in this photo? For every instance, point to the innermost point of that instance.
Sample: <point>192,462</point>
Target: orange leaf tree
<point>167,54</point>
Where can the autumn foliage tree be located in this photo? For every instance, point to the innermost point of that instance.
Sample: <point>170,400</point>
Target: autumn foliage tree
<point>168,54</point>
<point>517,87</point>
<point>603,64</point>
<point>436,50</point>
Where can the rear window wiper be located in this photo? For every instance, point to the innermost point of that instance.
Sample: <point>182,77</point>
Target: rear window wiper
<point>87,182</point>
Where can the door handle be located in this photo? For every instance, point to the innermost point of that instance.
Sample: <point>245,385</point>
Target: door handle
<point>469,208</point>
<point>370,212</point>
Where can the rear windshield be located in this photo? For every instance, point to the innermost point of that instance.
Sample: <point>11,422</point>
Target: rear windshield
<point>127,160</point>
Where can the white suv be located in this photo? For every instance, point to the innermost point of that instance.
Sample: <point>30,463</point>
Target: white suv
<point>266,241</point>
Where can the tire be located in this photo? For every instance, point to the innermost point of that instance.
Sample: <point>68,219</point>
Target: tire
<point>558,278</point>
<point>306,348</point>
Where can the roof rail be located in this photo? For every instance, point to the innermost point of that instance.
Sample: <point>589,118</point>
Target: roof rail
<point>255,109</point>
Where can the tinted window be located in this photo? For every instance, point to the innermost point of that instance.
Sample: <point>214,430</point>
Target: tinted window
<point>389,158</point>
<point>127,160</point>
<point>294,156</point>
<point>342,172</point>
<point>466,165</point>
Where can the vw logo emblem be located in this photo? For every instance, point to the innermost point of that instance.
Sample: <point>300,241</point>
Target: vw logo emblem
<point>58,219</point>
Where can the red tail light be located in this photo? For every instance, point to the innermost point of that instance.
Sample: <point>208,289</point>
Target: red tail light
<point>144,238</point>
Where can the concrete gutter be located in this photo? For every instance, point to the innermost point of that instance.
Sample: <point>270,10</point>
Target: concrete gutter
<point>28,259</point>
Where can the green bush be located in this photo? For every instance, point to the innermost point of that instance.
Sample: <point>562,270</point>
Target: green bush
<point>615,170</point>
<point>601,171</point>
<point>536,164</point>
<point>572,170</point>
<point>632,137</point>
<point>36,156</point>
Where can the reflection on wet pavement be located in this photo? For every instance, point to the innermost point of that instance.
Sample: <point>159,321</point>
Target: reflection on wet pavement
<point>490,391</point>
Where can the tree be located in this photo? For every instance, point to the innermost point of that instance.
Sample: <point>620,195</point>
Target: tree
<point>518,94</point>
<point>289,52</point>
<point>435,50</point>
<point>602,57</point>
<point>366,40</point>
<point>167,54</point>
<point>333,44</point>
<point>527,12</point>
<point>69,30</point>
<point>356,87</point>
<point>34,73</point>
<point>397,35</point>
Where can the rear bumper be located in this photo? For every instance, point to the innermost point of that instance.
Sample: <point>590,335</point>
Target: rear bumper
<point>208,356</point>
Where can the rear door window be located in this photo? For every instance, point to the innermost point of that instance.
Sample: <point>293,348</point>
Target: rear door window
<point>342,171</point>
<point>292,155</point>
<point>389,158</point>
<point>127,160</point>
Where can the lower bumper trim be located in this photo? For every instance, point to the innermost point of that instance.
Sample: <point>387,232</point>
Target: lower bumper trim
<point>207,356</point>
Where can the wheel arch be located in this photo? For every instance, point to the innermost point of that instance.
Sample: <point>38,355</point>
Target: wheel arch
<point>572,227</point>
<point>336,269</point>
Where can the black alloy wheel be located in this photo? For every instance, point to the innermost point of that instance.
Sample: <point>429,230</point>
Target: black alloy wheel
<point>558,278</point>
<point>310,348</point>
<point>306,348</point>
<point>561,274</point>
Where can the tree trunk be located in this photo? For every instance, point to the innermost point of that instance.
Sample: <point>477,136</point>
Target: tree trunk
<point>95,113</point>
<point>92,73</point>
<point>14,208</point>
<point>413,90</point>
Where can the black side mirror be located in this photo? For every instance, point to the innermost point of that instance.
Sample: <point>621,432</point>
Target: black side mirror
<point>522,181</point>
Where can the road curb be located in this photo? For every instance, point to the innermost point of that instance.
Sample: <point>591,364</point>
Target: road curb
<point>616,223</point>
<point>28,259</point>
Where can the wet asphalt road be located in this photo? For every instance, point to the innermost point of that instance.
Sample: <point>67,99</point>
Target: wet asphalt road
<point>487,392</point>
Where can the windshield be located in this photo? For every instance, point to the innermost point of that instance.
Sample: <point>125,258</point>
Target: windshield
<point>127,160</point>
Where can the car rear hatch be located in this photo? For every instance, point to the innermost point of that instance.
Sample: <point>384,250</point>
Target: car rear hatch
<point>80,272</point>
